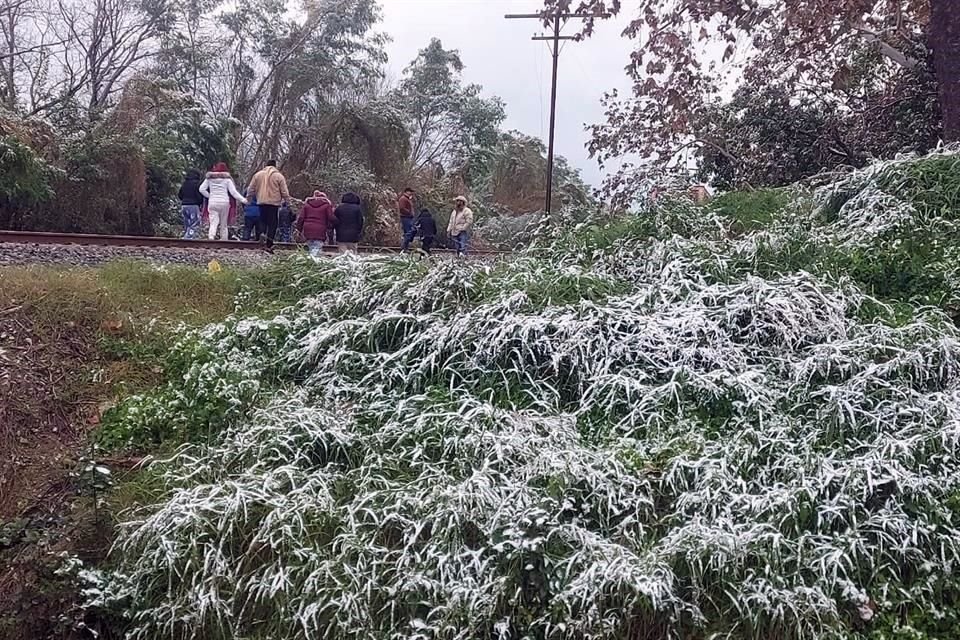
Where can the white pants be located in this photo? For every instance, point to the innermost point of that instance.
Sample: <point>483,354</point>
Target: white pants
<point>219,215</point>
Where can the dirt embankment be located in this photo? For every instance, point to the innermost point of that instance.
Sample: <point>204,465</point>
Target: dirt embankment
<point>64,359</point>
<point>48,402</point>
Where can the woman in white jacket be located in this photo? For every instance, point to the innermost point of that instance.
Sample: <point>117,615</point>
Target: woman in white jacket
<point>218,189</point>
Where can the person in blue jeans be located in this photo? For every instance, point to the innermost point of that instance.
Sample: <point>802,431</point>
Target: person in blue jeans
<point>461,223</point>
<point>191,202</point>
<point>285,220</point>
<point>407,223</point>
<point>315,220</point>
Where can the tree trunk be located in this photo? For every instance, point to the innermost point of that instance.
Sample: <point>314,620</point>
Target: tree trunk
<point>944,41</point>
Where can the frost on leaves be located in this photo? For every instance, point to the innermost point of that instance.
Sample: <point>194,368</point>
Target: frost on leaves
<point>681,448</point>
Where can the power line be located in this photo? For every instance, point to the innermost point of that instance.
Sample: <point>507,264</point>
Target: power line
<point>557,19</point>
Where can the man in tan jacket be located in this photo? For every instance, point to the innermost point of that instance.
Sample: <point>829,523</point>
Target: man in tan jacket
<point>269,187</point>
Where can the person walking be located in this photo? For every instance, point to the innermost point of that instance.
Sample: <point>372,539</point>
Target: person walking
<point>315,220</point>
<point>427,228</point>
<point>220,191</point>
<point>269,187</point>
<point>349,222</point>
<point>191,202</point>
<point>461,222</point>
<point>285,222</point>
<point>252,225</point>
<point>405,209</point>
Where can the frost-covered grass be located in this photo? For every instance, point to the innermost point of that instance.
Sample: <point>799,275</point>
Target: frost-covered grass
<point>651,430</point>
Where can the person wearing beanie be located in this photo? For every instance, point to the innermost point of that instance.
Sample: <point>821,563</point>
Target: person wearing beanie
<point>221,194</point>
<point>315,221</point>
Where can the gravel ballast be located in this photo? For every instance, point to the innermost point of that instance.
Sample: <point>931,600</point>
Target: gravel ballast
<point>16,254</point>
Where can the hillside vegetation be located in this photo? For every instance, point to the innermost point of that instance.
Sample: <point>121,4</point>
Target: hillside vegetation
<point>719,422</point>
<point>73,342</point>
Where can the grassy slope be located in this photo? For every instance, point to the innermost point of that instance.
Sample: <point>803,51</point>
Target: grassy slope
<point>73,342</point>
<point>737,420</point>
<point>892,228</point>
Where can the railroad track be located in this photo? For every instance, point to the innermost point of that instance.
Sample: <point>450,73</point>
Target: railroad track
<point>85,239</point>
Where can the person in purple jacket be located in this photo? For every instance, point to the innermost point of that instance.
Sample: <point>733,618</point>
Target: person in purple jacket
<point>315,221</point>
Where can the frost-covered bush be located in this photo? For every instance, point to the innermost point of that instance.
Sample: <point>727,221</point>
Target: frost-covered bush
<point>894,227</point>
<point>639,438</point>
<point>26,182</point>
<point>219,382</point>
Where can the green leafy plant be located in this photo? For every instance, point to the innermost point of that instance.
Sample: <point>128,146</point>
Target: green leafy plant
<point>751,210</point>
<point>631,427</point>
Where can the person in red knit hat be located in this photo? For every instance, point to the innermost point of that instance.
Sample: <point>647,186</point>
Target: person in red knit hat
<point>222,195</point>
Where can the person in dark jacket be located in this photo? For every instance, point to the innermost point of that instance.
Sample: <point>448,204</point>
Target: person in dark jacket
<point>427,229</point>
<point>407,222</point>
<point>315,220</point>
<point>349,222</point>
<point>285,220</point>
<point>191,202</point>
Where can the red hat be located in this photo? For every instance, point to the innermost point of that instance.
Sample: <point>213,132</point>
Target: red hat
<point>221,167</point>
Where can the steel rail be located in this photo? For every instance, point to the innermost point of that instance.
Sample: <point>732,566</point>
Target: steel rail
<point>42,237</point>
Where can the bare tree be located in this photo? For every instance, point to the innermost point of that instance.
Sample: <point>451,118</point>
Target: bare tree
<point>945,42</point>
<point>23,45</point>
<point>11,17</point>
<point>88,49</point>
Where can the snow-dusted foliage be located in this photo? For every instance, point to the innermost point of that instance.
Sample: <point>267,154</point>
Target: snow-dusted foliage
<point>650,443</point>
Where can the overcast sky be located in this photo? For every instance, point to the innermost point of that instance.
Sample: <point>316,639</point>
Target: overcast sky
<point>499,55</point>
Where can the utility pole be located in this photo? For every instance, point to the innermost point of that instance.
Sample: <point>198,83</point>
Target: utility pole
<point>557,20</point>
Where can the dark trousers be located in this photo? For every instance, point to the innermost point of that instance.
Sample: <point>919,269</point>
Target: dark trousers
<point>252,228</point>
<point>269,219</point>
<point>426,243</point>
